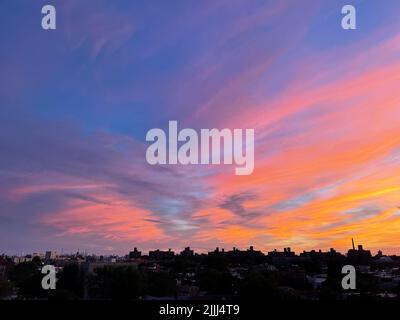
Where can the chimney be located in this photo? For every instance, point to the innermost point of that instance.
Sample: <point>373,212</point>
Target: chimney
<point>352,241</point>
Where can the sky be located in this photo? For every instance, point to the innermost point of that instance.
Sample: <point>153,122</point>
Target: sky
<point>76,104</point>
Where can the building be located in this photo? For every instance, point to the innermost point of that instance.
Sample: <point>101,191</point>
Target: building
<point>359,256</point>
<point>320,255</point>
<point>51,255</point>
<point>287,252</point>
<point>158,254</point>
<point>39,255</point>
<point>135,254</point>
<point>187,252</point>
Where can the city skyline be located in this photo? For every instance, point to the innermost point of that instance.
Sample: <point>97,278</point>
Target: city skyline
<point>76,104</point>
<point>177,251</point>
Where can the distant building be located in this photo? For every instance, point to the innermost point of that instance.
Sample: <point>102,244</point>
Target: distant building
<point>17,259</point>
<point>287,252</point>
<point>51,255</point>
<point>158,254</point>
<point>320,255</point>
<point>135,254</point>
<point>240,256</point>
<point>217,252</point>
<point>187,252</point>
<point>38,254</point>
<point>359,256</point>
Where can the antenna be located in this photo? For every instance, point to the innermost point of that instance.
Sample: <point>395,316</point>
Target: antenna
<point>352,241</point>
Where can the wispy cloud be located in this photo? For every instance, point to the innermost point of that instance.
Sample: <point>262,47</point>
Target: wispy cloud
<point>74,110</point>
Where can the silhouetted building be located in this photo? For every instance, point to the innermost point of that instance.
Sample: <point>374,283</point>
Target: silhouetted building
<point>158,254</point>
<point>287,252</point>
<point>135,254</point>
<point>187,252</point>
<point>320,255</point>
<point>217,252</point>
<point>240,256</point>
<point>359,256</point>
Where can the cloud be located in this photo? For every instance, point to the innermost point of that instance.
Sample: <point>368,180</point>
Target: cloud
<point>75,108</point>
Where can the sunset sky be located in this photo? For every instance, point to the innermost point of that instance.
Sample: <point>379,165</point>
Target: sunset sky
<point>76,104</point>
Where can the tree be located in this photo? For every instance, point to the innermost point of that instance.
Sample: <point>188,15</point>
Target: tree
<point>116,283</point>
